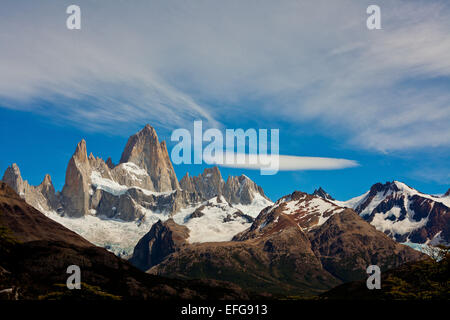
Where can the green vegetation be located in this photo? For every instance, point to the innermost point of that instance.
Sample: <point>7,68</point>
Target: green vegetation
<point>7,240</point>
<point>87,292</point>
<point>429,279</point>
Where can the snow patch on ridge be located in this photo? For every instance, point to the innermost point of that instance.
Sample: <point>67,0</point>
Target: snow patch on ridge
<point>117,189</point>
<point>133,169</point>
<point>253,209</point>
<point>411,192</point>
<point>304,208</point>
<point>219,221</point>
<point>382,223</point>
<point>107,185</point>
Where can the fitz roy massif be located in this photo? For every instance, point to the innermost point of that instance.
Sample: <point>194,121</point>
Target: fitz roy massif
<point>203,227</point>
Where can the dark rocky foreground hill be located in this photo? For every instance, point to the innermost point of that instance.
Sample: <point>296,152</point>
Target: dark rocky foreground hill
<point>36,251</point>
<point>420,280</point>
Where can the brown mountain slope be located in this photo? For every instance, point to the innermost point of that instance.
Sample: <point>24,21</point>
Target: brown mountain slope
<point>346,245</point>
<point>36,251</point>
<point>299,246</point>
<point>281,263</point>
<point>27,224</point>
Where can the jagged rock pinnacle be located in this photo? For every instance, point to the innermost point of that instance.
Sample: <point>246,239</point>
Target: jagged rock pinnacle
<point>80,153</point>
<point>144,150</point>
<point>322,193</point>
<point>13,178</point>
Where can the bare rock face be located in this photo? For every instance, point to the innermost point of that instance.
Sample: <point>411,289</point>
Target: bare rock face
<point>14,179</point>
<point>447,194</point>
<point>41,196</point>
<point>47,190</point>
<point>163,239</point>
<point>109,163</point>
<point>241,190</point>
<point>144,150</point>
<point>126,190</point>
<point>208,184</point>
<point>187,183</point>
<point>237,190</point>
<point>322,193</point>
<point>75,194</point>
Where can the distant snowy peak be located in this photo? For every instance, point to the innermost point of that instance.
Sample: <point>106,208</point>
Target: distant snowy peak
<point>299,209</point>
<point>308,210</point>
<point>366,203</point>
<point>403,212</point>
<point>208,184</point>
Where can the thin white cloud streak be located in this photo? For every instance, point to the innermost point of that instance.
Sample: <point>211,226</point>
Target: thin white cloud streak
<point>289,163</point>
<point>284,162</point>
<point>304,62</point>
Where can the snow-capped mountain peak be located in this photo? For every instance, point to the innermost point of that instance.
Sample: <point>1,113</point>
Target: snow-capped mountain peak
<point>114,205</point>
<point>403,212</point>
<point>303,210</point>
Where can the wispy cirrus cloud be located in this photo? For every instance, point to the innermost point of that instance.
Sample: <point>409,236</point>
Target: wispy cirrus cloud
<point>435,175</point>
<point>169,63</point>
<point>84,78</point>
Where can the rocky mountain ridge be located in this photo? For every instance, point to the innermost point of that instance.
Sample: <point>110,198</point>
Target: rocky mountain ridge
<point>301,245</point>
<point>140,190</point>
<point>236,190</point>
<point>404,213</point>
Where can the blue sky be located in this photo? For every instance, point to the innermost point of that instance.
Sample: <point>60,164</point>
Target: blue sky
<point>311,69</point>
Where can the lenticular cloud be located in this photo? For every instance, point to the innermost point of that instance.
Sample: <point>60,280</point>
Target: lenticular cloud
<point>285,162</point>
